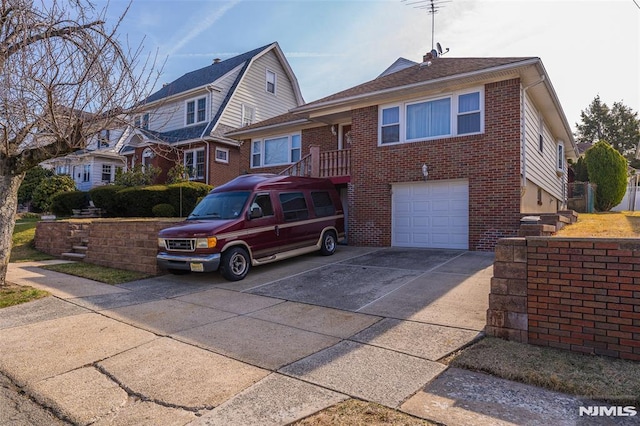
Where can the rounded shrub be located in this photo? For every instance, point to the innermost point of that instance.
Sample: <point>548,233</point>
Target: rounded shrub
<point>63,203</point>
<point>608,170</point>
<point>163,210</point>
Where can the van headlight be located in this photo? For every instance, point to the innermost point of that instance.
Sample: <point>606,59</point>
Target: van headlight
<point>161,243</point>
<point>203,243</point>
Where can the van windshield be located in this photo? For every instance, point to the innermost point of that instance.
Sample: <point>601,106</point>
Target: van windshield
<point>223,205</point>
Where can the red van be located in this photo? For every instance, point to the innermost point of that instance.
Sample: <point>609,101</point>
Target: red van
<point>252,220</point>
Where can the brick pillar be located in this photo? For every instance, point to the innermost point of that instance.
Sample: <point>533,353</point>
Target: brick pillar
<point>507,313</point>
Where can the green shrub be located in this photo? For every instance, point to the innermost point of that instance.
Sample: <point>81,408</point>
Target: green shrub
<point>139,201</point>
<point>47,188</point>
<point>189,192</point>
<point>106,198</point>
<point>608,170</point>
<point>32,179</point>
<point>163,210</point>
<point>63,203</point>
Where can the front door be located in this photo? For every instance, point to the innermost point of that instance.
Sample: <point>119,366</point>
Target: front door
<point>344,137</point>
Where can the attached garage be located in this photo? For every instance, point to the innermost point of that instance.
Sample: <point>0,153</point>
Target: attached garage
<point>432,214</point>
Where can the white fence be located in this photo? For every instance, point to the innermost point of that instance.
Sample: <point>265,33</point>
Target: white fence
<point>631,200</point>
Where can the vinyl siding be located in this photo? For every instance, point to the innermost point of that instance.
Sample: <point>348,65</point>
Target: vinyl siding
<point>171,116</point>
<point>252,92</point>
<point>541,166</point>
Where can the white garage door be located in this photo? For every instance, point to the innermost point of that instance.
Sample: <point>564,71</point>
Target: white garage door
<point>432,214</point>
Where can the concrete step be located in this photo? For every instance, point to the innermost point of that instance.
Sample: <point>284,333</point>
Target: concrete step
<point>80,249</point>
<point>74,256</point>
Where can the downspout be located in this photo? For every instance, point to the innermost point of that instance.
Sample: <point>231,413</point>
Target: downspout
<point>523,135</point>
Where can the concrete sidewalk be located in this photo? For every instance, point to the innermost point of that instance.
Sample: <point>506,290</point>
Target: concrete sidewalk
<point>290,340</point>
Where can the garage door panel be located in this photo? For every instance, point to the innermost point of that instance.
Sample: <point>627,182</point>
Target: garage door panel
<point>431,214</point>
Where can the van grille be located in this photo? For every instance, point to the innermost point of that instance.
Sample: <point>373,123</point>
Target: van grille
<point>181,245</point>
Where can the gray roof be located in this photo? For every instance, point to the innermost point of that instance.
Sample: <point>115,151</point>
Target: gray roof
<point>204,76</point>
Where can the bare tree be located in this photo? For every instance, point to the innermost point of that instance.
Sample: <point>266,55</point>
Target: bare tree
<point>64,76</point>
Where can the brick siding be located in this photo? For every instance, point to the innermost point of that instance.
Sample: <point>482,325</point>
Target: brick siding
<point>581,295</point>
<point>130,244</point>
<point>490,162</point>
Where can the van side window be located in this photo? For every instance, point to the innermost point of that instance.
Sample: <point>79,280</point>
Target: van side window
<point>322,204</point>
<point>294,206</point>
<point>264,202</point>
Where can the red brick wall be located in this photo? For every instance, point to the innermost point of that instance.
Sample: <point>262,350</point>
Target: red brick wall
<point>581,295</point>
<point>490,162</point>
<point>122,244</point>
<point>220,173</point>
<point>584,295</point>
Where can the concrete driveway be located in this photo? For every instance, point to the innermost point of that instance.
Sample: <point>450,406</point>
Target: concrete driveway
<point>291,339</point>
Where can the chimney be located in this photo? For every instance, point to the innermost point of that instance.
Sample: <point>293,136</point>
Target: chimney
<point>430,55</point>
<point>216,61</point>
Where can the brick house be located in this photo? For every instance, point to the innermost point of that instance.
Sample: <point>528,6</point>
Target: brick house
<point>186,120</point>
<point>447,153</point>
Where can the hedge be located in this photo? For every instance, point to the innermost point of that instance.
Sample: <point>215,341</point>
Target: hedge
<point>63,203</point>
<point>120,201</point>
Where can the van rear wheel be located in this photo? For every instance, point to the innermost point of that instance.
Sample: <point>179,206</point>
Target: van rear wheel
<point>235,264</point>
<point>329,243</point>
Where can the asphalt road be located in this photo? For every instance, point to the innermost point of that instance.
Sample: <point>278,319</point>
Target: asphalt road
<point>17,409</point>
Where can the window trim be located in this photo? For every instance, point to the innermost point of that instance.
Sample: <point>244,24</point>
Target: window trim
<point>268,72</point>
<point>560,158</point>
<point>290,149</point>
<point>226,155</point>
<point>247,111</point>
<point>194,152</point>
<point>196,111</point>
<point>453,116</point>
<point>104,173</point>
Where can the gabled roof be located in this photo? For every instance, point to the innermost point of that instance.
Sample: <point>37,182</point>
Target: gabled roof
<point>421,80</point>
<point>204,76</point>
<point>440,69</point>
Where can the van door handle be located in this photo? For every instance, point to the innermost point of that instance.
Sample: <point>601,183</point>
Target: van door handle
<point>277,229</point>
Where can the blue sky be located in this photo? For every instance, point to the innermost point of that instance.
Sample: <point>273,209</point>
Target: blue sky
<point>588,47</point>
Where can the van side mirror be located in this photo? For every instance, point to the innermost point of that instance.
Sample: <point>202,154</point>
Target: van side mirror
<point>256,213</point>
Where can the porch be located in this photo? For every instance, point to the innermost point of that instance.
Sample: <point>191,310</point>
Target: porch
<point>333,165</point>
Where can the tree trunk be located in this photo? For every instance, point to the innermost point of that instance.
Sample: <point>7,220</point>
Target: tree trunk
<point>9,193</point>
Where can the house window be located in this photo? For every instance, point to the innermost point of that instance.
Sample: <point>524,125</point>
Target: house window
<point>147,156</point>
<point>540,134</point>
<point>222,155</point>
<point>429,119</point>
<point>390,128</point>
<point>106,173</point>
<point>104,138</point>
<point>194,163</point>
<point>62,170</point>
<point>457,114</point>
<point>196,111</point>
<point>271,82</point>
<point>248,113</point>
<point>469,113</point>
<point>86,173</point>
<point>141,121</point>
<point>560,160</point>
<point>276,151</point>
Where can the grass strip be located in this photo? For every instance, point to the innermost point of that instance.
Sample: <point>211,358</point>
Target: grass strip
<point>98,273</point>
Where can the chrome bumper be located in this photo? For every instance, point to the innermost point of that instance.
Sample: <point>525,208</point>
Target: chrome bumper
<point>209,262</point>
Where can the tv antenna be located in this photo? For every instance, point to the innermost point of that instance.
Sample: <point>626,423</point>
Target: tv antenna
<point>432,7</point>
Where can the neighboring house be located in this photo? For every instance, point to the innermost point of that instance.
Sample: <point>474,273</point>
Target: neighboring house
<point>186,120</point>
<point>448,153</point>
<point>96,164</point>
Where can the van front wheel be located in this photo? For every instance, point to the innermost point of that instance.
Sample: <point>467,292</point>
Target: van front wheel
<point>235,264</point>
<point>329,243</point>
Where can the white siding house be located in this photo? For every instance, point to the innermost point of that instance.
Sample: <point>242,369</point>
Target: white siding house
<point>184,122</point>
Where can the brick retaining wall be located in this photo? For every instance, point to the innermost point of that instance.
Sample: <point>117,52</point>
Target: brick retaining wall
<point>122,244</point>
<point>581,295</point>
